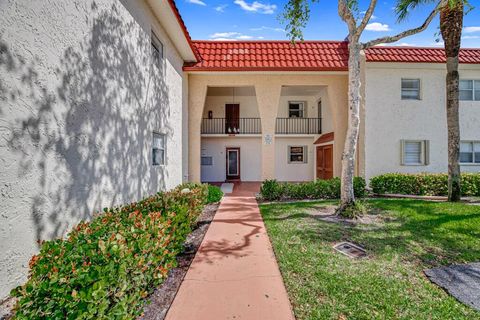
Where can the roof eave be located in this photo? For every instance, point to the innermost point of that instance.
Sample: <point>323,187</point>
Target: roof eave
<point>169,17</point>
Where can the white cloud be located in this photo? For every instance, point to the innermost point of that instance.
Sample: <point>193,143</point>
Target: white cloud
<point>244,37</point>
<point>221,8</point>
<point>377,27</point>
<point>263,28</point>
<point>199,2</point>
<point>404,44</point>
<point>256,6</point>
<point>471,37</point>
<point>471,29</point>
<point>217,35</point>
<point>231,36</point>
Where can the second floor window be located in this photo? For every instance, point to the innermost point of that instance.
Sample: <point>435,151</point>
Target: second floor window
<point>410,89</point>
<point>157,50</point>
<point>469,90</point>
<point>296,109</point>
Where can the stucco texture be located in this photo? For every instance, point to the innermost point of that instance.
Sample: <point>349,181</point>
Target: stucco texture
<point>79,100</point>
<point>389,119</point>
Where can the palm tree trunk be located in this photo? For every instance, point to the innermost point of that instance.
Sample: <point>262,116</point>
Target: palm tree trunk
<point>451,24</point>
<point>453,128</point>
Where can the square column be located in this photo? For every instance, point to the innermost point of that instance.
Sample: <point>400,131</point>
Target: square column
<point>268,98</point>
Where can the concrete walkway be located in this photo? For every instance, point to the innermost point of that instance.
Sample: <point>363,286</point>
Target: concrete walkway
<point>234,274</point>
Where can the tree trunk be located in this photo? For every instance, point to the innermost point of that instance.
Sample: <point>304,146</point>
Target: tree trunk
<point>453,128</point>
<point>350,148</point>
<point>451,24</point>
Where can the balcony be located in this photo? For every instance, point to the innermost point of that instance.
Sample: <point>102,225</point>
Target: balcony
<point>232,126</point>
<point>298,126</point>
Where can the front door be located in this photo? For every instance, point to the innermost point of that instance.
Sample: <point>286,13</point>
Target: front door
<point>325,162</point>
<point>232,118</point>
<point>233,163</point>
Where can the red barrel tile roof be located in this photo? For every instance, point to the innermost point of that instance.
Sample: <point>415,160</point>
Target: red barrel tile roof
<point>418,55</point>
<point>271,56</point>
<point>306,56</point>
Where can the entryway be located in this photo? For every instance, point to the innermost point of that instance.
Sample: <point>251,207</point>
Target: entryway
<point>232,164</point>
<point>325,162</point>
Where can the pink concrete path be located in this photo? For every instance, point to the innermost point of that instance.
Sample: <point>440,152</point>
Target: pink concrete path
<point>234,274</point>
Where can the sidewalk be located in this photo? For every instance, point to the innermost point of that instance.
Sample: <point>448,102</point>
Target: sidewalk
<point>234,274</point>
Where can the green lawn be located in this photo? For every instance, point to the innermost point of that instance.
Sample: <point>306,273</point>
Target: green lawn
<point>389,284</point>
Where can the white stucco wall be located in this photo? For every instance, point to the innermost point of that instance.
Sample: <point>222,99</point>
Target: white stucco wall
<point>388,119</point>
<point>79,100</point>
<point>285,171</point>
<point>248,106</point>
<point>250,157</point>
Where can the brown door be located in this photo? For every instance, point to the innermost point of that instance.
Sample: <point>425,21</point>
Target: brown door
<point>232,118</point>
<point>233,163</point>
<point>325,162</point>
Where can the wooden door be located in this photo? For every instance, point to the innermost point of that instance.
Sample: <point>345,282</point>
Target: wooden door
<point>325,162</point>
<point>232,163</point>
<point>232,118</point>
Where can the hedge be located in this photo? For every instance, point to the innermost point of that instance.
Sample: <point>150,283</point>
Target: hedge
<point>423,184</point>
<point>215,194</point>
<point>106,267</point>
<point>319,189</point>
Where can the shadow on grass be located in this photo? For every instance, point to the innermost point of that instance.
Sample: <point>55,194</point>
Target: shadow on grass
<point>431,233</point>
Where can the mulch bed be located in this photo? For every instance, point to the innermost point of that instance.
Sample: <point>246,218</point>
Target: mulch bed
<point>159,302</point>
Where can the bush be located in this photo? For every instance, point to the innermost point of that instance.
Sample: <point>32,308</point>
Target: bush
<point>319,189</point>
<point>215,194</point>
<point>106,267</point>
<point>423,184</point>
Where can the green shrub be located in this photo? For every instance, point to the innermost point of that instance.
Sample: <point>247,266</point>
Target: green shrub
<point>423,184</point>
<point>106,267</point>
<point>319,189</point>
<point>215,194</point>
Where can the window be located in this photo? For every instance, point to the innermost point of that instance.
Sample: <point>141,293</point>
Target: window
<point>469,90</point>
<point>159,149</point>
<point>410,89</point>
<point>297,154</point>
<point>207,161</point>
<point>415,152</point>
<point>296,109</point>
<point>470,152</point>
<point>157,50</point>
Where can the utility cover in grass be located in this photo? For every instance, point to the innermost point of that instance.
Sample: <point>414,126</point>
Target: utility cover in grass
<point>461,281</point>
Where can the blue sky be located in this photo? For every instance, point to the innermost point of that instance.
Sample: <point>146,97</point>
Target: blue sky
<point>260,20</point>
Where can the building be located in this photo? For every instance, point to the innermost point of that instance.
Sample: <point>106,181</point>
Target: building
<point>105,102</point>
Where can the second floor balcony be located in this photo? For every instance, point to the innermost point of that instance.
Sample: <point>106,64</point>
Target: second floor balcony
<point>298,126</point>
<point>232,126</point>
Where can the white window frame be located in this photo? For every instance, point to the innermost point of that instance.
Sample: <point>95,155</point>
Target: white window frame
<point>207,165</point>
<point>475,87</point>
<point>424,153</point>
<point>473,143</point>
<point>304,154</point>
<point>156,46</point>
<point>161,146</point>
<point>301,109</point>
<point>419,95</point>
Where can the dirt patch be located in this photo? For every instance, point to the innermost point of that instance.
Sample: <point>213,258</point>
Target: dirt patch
<point>327,214</point>
<point>159,302</point>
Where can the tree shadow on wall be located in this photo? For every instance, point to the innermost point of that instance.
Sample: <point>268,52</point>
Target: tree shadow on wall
<point>88,138</point>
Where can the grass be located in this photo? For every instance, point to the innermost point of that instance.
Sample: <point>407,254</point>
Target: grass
<point>389,284</point>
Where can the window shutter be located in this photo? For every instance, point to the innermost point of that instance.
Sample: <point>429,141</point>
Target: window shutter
<point>402,153</point>
<point>305,154</point>
<point>426,149</point>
